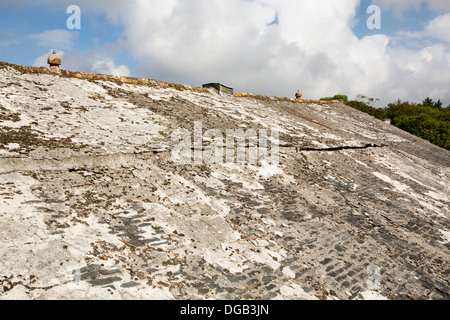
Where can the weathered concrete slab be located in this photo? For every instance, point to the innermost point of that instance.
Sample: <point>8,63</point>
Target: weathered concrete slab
<point>92,206</point>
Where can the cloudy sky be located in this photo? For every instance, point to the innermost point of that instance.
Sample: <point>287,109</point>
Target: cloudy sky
<point>271,47</point>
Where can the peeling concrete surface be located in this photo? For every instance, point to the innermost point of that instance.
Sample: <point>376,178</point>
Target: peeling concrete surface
<point>92,207</point>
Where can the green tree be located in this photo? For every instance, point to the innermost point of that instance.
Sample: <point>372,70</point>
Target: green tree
<point>367,100</point>
<point>428,102</point>
<point>342,98</point>
<point>399,108</point>
<point>361,106</point>
<point>426,120</point>
<point>425,126</point>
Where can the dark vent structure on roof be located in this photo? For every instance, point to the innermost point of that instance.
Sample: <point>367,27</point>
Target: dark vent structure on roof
<point>220,89</point>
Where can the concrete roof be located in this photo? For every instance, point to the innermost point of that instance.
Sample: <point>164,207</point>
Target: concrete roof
<point>93,207</point>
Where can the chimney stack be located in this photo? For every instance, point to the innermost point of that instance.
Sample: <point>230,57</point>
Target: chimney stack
<point>54,61</point>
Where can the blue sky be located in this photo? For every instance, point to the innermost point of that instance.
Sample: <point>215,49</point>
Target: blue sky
<point>413,19</point>
<point>269,47</point>
<point>23,21</point>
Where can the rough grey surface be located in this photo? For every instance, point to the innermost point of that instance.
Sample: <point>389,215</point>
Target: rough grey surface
<point>92,207</point>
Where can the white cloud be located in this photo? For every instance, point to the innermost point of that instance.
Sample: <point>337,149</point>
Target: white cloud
<point>230,41</point>
<point>419,74</point>
<point>105,64</point>
<point>42,60</point>
<point>59,38</point>
<point>89,61</point>
<point>440,28</point>
<point>424,71</point>
<point>401,5</point>
<point>312,47</point>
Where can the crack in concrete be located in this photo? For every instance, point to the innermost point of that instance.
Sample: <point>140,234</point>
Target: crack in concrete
<point>8,285</point>
<point>123,160</point>
<point>367,146</point>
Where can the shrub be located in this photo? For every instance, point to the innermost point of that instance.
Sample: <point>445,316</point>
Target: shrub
<point>342,98</point>
<point>361,106</point>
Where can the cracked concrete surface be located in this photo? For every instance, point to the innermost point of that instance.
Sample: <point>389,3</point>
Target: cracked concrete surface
<point>92,207</point>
